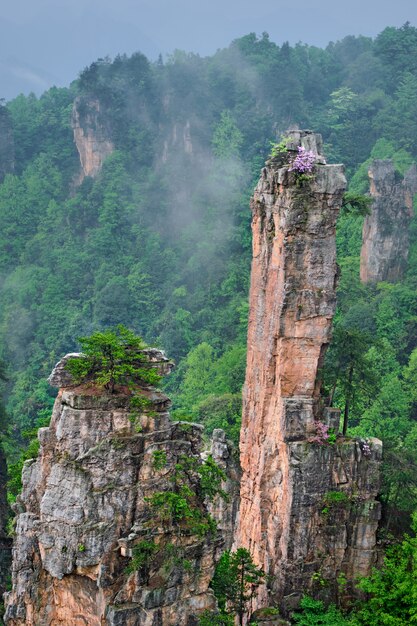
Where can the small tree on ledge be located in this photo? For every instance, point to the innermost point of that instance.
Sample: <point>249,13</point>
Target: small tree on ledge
<point>113,357</point>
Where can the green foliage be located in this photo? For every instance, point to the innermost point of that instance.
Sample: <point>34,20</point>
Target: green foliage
<point>314,613</point>
<point>348,367</point>
<point>142,555</point>
<point>210,388</point>
<point>113,357</point>
<point>166,250</point>
<point>182,509</point>
<point>222,412</point>
<point>211,477</point>
<point>159,459</point>
<point>336,498</point>
<point>356,203</point>
<point>392,591</point>
<point>227,138</point>
<point>30,451</point>
<point>334,501</point>
<point>210,618</point>
<point>235,582</point>
<point>177,510</point>
<point>279,150</point>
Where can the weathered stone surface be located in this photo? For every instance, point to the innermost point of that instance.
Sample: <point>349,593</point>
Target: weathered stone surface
<point>268,617</point>
<point>224,510</point>
<point>60,377</point>
<point>179,139</point>
<point>385,236</point>
<point>5,540</point>
<point>83,509</point>
<point>91,135</point>
<point>286,476</point>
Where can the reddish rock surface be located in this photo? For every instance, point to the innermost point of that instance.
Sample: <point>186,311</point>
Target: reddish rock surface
<point>285,477</point>
<point>385,236</point>
<point>91,136</point>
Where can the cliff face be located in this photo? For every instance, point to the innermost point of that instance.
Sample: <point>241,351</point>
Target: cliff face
<point>6,144</point>
<point>5,540</point>
<point>91,136</point>
<point>287,478</point>
<point>85,511</point>
<point>225,510</point>
<point>385,237</point>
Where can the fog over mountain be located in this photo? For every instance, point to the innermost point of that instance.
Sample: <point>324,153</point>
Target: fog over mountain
<point>47,43</point>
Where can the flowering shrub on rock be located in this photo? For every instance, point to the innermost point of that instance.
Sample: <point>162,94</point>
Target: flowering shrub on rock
<point>303,162</point>
<point>322,434</point>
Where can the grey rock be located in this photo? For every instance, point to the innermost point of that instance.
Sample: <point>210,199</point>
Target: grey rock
<point>385,235</point>
<point>83,509</point>
<point>60,377</point>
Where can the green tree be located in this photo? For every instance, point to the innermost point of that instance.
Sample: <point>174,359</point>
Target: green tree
<point>347,368</point>
<point>227,138</point>
<point>235,582</point>
<point>113,357</point>
<point>392,590</point>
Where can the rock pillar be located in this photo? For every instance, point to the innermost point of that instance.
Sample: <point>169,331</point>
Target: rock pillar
<point>286,475</point>
<point>91,135</point>
<point>385,237</point>
<point>85,512</point>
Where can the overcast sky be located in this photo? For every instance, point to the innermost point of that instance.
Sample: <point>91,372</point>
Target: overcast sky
<point>48,42</point>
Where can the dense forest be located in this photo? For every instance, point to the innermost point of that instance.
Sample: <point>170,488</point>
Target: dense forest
<point>160,239</point>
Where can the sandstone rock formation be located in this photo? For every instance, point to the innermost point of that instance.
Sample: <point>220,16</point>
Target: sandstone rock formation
<point>91,136</point>
<point>287,479</point>
<point>84,508</point>
<point>385,237</point>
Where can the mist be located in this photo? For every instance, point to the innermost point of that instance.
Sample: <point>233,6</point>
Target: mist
<point>48,43</point>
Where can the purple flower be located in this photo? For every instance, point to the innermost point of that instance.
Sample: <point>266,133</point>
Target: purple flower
<point>321,435</point>
<point>303,162</point>
<point>365,447</point>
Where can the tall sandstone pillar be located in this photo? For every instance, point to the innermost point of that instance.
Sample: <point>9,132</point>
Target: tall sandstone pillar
<point>385,236</point>
<point>286,476</point>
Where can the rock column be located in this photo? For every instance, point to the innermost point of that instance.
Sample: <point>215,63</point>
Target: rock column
<point>286,476</point>
<point>385,237</point>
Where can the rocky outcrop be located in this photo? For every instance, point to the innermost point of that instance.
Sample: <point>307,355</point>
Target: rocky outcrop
<point>5,540</point>
<point>178,140</point>
<point>87,511</point>
<point>385,236</point>
<point>225,509</point>
<point>290,473</point>
<point>6,143</point>
<point>91,135</point>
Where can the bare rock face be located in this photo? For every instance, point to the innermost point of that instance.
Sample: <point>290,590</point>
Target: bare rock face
<point>91,136</point>
<point>5,540</point>
<point>225,510</point>
<point>85,508</point>
<point>287,478</point>
<point>385,236</point>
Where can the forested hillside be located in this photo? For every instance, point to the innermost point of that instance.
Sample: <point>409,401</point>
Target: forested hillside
<point>160,239</point>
